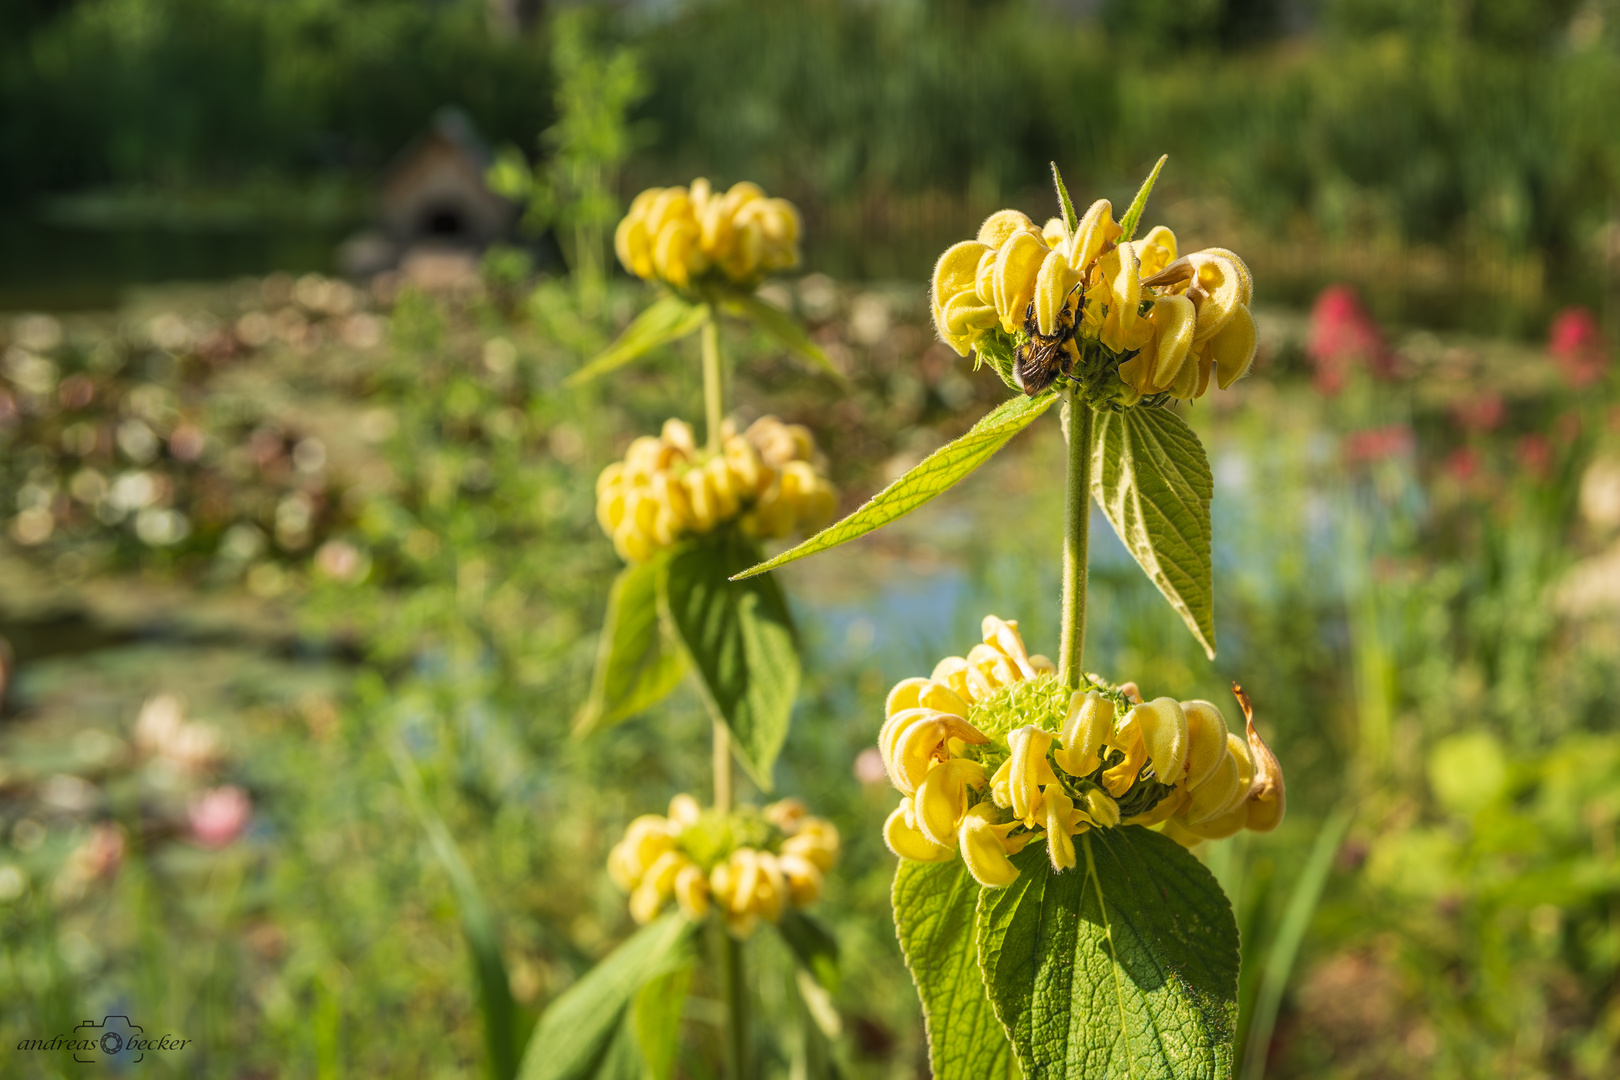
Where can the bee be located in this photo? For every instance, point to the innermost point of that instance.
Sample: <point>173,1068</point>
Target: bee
<point>1042,358</point>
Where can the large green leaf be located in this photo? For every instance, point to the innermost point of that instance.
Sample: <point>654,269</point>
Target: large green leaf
<point>938,472</point>
<point>1151,478</point>
<point>784,329</point>
<point>1125,966</point>
<point>739,638</point>
<point>934,905</point>
<point>635,666</point>
<point>670,318</point>
<point>580,1035</point>
<point>656,1019</point>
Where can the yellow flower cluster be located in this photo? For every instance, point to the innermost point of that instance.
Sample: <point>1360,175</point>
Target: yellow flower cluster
<point>976,781</point>
<point>666,487</point>
<point>747,865</point>
<point>1169,322</point>
<point>680,235</point>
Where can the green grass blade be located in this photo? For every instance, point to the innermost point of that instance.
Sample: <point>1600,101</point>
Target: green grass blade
<point>1285,946</point>
<point>938,472</point>
<point>477,924</point>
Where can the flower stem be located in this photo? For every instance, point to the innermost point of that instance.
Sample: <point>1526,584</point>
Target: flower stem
<point>1076,537</point>
<point>714,401</point>
<point>729,959</point>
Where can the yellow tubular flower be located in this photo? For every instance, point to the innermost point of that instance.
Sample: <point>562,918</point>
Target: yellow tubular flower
<point>692,892</point>
<point>682,236</point>
<point>1028,771</point>
<point>1217,290</point>
<point>816,840</point>
<point>905,841</point>
<point>804,879</point>
<point>1101,809</point>
<point>1157,250</point>
<point>1164,735</point>
<point>942,798</point>
<point>1233,348</point>
<point>922,741</point>
<point>1090,723</point>
<point>1096,229</point>
<point>1002,635</point>
<point>1052,288</point>
<point>1058,813</point>
<point>1018,265</point>
<point>1206,740</point>
<point>1216,793</point>
<point>1003,225</point>
<point>983,843</point>
<point>1155,368</point>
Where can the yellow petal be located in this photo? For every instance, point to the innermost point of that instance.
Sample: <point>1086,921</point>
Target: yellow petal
<point>1052,287</point>
<point>1003,636</point>
<point>983,851</point>
<point>905,695</point>
<point>1055,234</point>
<point>1206,740</point>
<point>1216,793</point>
<point>954,273</point>
<point>1174,319</point>
<point>906,842</point>
<point>1018,264</point>
<point>1217,290</point>
<point>952,672</point>
<point>1090,723</point>
<point>1233,348</point>
<point>1002,225</point>
<point>1101,809</point>
<point>1058,808</point>
<point>1097,227</point>
<point>1164,735</point>
<point>1157,250</point>
<point>1029,770</point>
<point>942,798</point>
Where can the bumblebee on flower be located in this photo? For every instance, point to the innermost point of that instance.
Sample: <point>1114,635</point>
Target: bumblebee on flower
<point>1127,319</point>
<point>745,865</point>
<point>992,753</point>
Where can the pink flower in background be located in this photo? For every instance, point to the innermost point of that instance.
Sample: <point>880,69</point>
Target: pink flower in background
<point>1377,444</point>
<point>219,816</point>
<point>98,857</point>
<point>1535,454</point>
<point>1342,333</point>
<point>869,766</point>
<point>1463,463</point>
<point>1575,344</point>
<point>1483,413</point>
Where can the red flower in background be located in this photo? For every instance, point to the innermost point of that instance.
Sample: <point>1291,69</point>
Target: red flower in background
<point>1463,464</point>
<point>1342,333</point>
<point>1483,413</point>
<point>1575,344</point>
<point>1377,444</point>
<point>219,816</point>
<point>1535,454</point>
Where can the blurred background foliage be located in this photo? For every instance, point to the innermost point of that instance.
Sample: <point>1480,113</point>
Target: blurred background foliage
<point>274,544</point>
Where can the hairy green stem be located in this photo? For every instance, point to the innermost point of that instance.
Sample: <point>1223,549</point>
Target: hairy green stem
<point>1076,538</point>
<point>714,390</point>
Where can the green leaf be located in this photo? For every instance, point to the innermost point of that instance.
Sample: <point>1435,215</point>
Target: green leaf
<point>670,318</point>
<point>656,1018</point>
<point>1071,220</point>
<point>1134,215</point>
<point>938,472</point>
<point>495,1004</point>
<point>1151,478</point>
<point>784,329</point>
<point>812,945</point>
<point>934,905</point>
<point>1126,965</point>
<point>739,639</point>
<point>576,1035</point>
<point>635,666</point>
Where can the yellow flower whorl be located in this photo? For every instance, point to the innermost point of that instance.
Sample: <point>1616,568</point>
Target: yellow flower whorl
<point>747,865</point>
<point>666,487</point>
<point>1167,323</point>
<point>679,235</point>
<point>1058,772</point>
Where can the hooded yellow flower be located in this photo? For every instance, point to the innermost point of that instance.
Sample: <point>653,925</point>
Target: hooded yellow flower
<point>666,488</point>
<point>991,753</point>
<point>680,235</point>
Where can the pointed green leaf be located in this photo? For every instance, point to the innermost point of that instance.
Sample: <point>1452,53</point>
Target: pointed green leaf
<point>577,1035</point>
<point>785,329</point>
<point>1125,965</point>
<point>812,945</point>
<point>670,318</point>
<point>934,906</point>
<point>938,472</point>
<point>1071,220</point>
<point>656,1018</point>
<point>635,666</point>
<point>739,639</point>
<point>1150,476</point>
<point>1134,215</point>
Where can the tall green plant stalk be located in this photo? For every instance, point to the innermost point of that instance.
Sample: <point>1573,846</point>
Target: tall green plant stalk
<point>1076,537</point>
<point>727,950</point>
